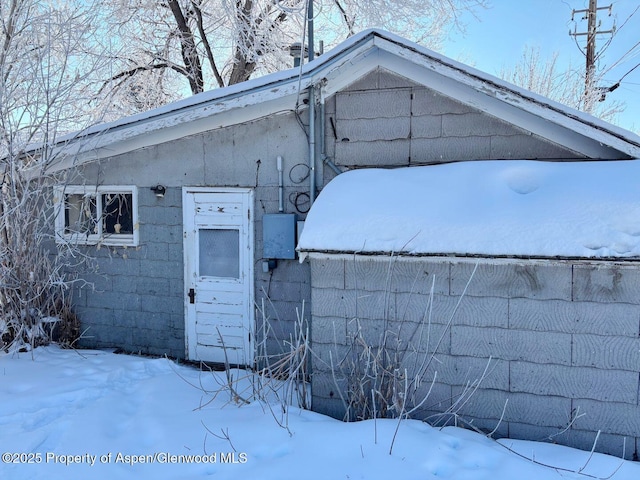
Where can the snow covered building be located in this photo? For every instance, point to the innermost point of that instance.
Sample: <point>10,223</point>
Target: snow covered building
<point>197,208</point>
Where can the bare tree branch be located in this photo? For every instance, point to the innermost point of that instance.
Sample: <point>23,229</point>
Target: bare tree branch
<point>188,48</point>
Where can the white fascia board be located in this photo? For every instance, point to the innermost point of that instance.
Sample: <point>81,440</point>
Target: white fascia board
<point>198,119</point>
<point>581,133</point>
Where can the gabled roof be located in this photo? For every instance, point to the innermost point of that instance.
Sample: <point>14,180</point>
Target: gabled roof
<point>334,70</point>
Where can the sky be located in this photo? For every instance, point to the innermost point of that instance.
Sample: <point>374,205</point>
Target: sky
<point>496,39</point>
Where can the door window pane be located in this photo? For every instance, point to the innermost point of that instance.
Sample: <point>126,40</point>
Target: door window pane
<point>219,253</point>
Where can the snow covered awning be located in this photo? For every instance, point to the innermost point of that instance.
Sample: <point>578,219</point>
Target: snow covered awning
<point>487,208</point>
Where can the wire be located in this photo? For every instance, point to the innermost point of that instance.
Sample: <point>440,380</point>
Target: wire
<point>622,78</point>
<point>295,199</point>
<point>301,178</point>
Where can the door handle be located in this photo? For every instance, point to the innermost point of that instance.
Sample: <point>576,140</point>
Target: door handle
<point>192,295</point>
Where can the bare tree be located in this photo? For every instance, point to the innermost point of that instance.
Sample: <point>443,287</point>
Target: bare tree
<point>562,84</point>
<point>45,88</point>
<point>215,43</point>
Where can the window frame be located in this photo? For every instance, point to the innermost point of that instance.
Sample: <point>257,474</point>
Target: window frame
<point>100,237</point>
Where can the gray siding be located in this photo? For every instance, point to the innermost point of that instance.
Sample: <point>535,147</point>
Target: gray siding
<point>560,338</point>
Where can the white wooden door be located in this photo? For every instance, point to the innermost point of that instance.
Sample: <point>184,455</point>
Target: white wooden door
<point>218,257</point>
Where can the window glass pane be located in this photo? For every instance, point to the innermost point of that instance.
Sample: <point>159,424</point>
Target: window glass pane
<point>219,253</point>
<point>117,214</point>
<point>80,214</point>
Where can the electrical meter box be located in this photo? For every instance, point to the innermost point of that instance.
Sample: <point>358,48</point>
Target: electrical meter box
<point>279,236</point>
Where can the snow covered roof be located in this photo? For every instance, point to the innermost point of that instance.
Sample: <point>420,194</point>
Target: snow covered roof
<point>334,70</point>
<point>487,208</point>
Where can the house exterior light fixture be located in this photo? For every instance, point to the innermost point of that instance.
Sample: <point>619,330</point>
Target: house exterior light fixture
<point>159,190</point>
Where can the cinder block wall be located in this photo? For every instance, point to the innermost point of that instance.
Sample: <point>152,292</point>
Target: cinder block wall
<point>560,339</point>
<point>134,300</point>
<point>139,297</point>
<point>384,120</point>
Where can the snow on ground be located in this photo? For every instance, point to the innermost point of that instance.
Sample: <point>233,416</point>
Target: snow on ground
<point>503,207</point>
<point>94,414</point>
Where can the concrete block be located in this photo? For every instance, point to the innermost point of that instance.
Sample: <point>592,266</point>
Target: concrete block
<point>155,286</point>
<point>526,147</point>
<point>348,304</point>
<point>475,124</point>
<point>428,102</point>
<point>95,282</point>
<point>419,276</point>
<point>450,149</point>
<point>374,334</point>
<point>607,352</point>
<point>175,253</point>
<point>280,291</point>
<point>331,407</point>
<point>114,300</point>
<point>369,81</point>
<point>395,274</point>
<point>160,233</point>
<point>327,385</point>
<point>369,274</point>
<point>418,338</point>
<point>574,317</point>
<point>166,305</point>
<point>606,283</point>
<point>331,330</point>
<point>435,398</point>
<point>464,371</point>
<point>283,311</point>
<point>371,154</point>
<point>153,268</point>
<point>373,104</point>
<point>520,408</point>
<point>125,284</point>
<point>481,403</point>
<point>327,273</point>
<point>388,79</point>
<point>160,215</point>
<point>616,445</point>
<point>574,382</point>
<point>610,417</point>
<point>443,309</point>
<point>426,126</point>
<point>535,347</point>
<point>153,251</point>
<point>380,78</point>
<point>513,280</point>
<point>118,266</point>
<point>176,286</point>
<point>372,129</point>
<point>332,358</point>
<point>94,317</point>
<point>525,431</point>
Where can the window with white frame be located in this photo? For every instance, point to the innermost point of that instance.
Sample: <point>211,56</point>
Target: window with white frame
<point>97,215</point>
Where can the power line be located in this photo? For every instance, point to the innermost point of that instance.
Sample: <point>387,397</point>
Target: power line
<point>591,33</point>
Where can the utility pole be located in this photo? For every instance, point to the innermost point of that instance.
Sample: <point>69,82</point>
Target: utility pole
<point>592,30</point>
